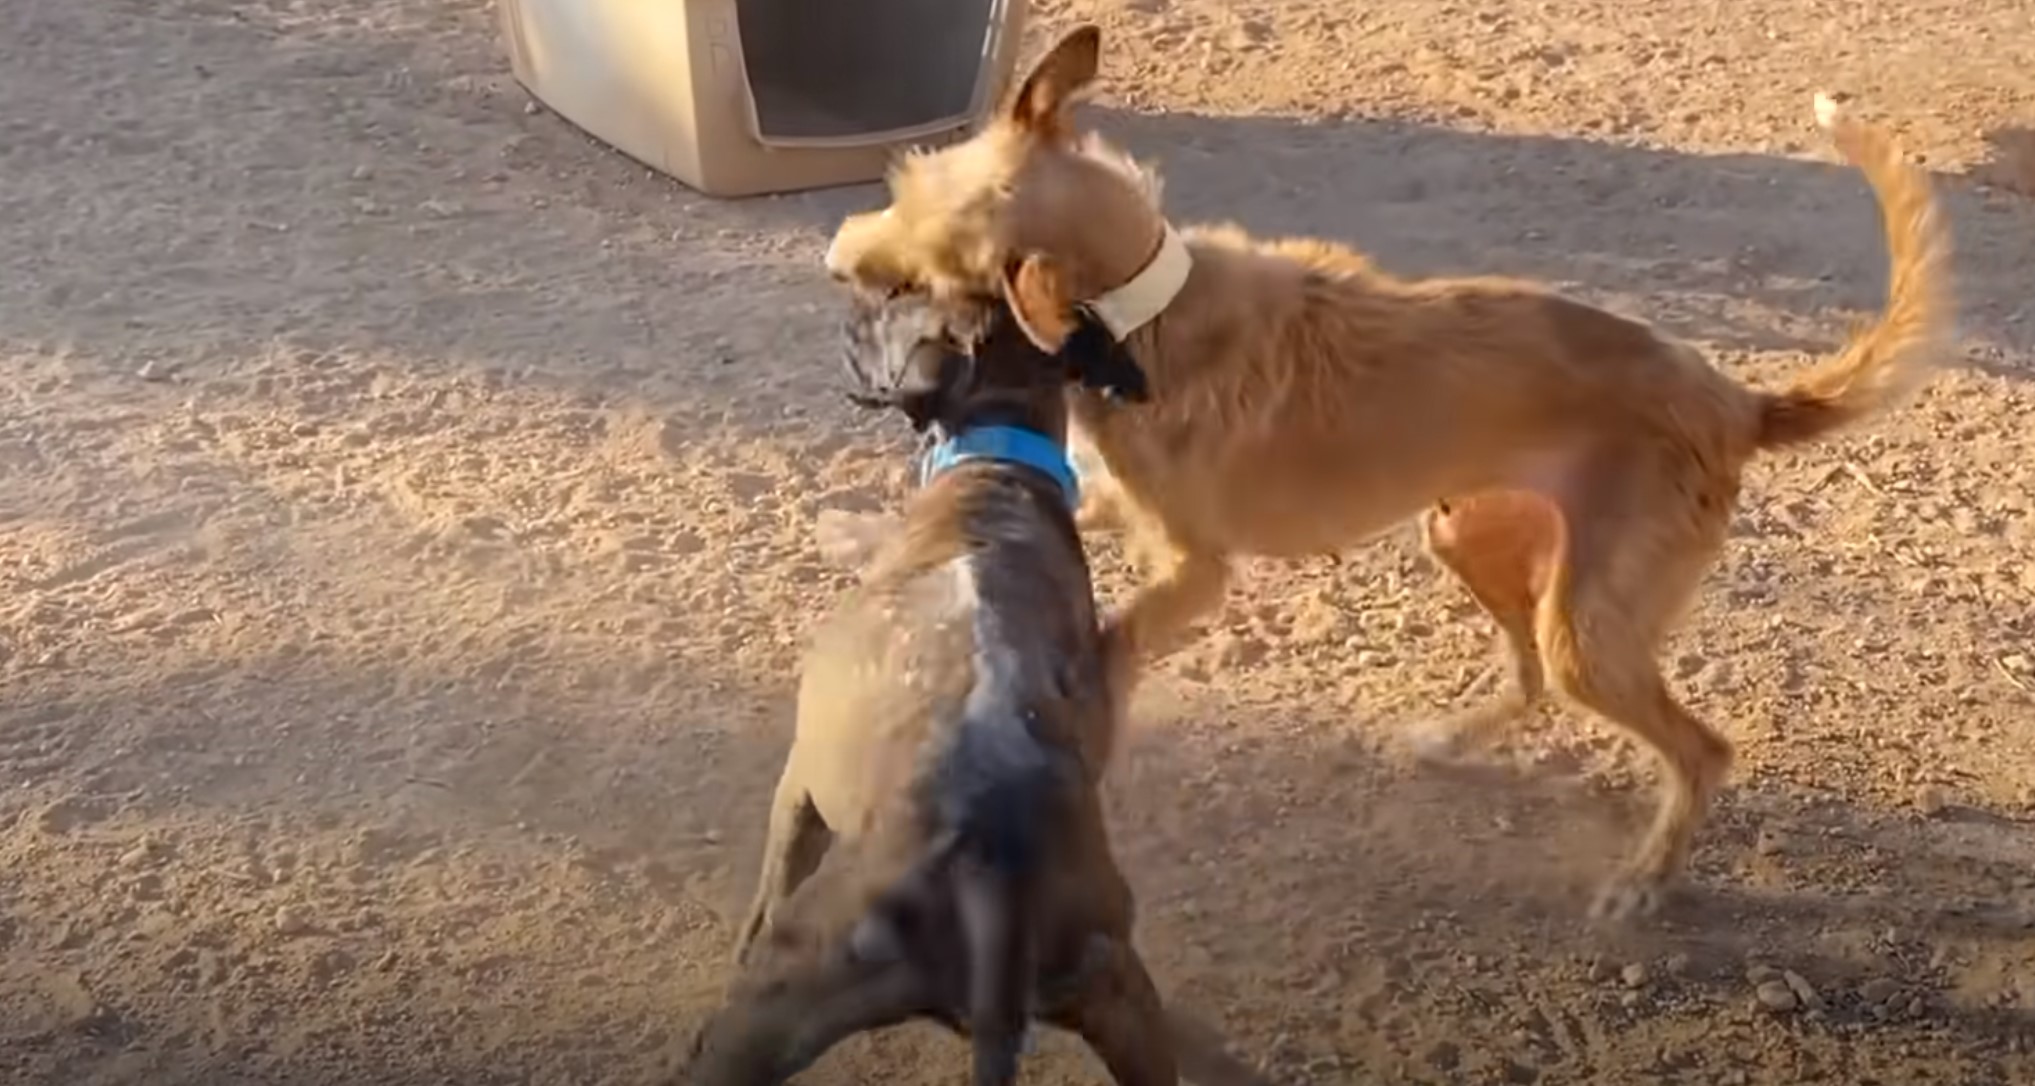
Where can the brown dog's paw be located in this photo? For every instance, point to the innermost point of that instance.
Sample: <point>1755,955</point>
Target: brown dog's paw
<point>849,540</point>
<point>1433,743</point>
<point>1627,897</point>
<point>1450,742</point>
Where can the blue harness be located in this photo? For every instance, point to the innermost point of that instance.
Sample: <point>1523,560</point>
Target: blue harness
<point>1010,444</point>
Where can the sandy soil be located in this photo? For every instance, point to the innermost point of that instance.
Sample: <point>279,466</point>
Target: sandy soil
<point>405,548</point>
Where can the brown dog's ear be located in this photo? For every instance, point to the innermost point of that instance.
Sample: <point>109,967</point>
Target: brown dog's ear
<point>1038,296</point>
<point>1066,69</point>
<point>857,242</point>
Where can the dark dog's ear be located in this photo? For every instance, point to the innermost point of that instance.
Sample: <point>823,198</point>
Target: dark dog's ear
<point>922,390</point>
<point>1045,310</point>
<point>1037,292</point>
<point>1040,105</point>
<point>1099,361</point>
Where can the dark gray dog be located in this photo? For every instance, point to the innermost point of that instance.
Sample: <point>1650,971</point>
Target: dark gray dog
<point>937,847</point>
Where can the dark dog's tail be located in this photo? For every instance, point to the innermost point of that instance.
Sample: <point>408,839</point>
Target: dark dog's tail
<point>995,922</point>
<point>1002,786</point>
<point>1891,356</point>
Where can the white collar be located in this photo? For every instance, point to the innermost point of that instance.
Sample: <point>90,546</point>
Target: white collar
<point>1139,301</point>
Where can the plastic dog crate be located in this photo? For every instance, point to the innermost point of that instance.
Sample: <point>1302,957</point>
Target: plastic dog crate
<point>740,97</point>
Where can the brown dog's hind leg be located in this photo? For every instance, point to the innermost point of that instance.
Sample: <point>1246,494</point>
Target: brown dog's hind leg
<point>1620,584</point>
<point>798,838</point>
<point>1502,547</point>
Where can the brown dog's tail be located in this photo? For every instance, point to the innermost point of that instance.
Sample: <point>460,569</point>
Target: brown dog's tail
<point>1890,358</point>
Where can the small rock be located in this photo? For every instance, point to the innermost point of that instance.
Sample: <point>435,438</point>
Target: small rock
<point>1932,799</point>
<point>292,921</point>
<point>1628,1000</point>
<point>1775,996</point>
<point>2018,663</point>
<point>1374,658</point>
<point>1633,975</point>
<point>1678,964</point>
<point>1917,1007</point>
<point>330,966</point>
<point>530,108</point>
<point>1879,990</point>
<point>363,173</point>
<point>1801,988</point>
<point>1760,974</point>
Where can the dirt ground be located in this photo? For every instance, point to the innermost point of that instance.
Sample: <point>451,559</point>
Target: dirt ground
<point>405,550</point>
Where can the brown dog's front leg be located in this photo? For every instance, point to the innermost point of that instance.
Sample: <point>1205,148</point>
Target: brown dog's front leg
<point>1158,618</point>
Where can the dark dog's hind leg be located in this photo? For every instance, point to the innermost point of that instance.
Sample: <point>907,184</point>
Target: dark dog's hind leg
<point>1123,1021</point>
<point>798,838</point>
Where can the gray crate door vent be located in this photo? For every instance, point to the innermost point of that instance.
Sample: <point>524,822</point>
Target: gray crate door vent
<point>862,71</point>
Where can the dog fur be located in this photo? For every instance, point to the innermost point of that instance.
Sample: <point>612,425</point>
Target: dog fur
<point>1576,469</point>
<point>937,846</point>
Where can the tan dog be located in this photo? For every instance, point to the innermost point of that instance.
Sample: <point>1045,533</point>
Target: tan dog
<point>1578,469</point>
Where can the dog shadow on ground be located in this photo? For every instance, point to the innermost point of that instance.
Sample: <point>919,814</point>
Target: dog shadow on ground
<point>2012,166</point>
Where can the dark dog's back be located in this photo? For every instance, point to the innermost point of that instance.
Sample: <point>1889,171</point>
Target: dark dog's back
<point>952,724</point>
<point>986,598</point>
<point>972,639</point>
